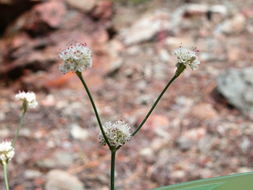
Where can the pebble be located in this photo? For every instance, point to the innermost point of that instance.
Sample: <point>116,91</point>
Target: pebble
<point>146,27</point>
<point>61,180</point>
<point>184,143</point>
<point>203,111</point>
<point>78,132</point>
<point>31,174</point>
<point>234,25</point>
<point>58,159</point>
<point>84,5</point>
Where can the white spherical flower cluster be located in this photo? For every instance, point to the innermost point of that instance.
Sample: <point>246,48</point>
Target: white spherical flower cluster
<point>77,57</point>
<point>29,98</point>
<point>117,133</point>
<point>187,57</point>
<point>6,152</point>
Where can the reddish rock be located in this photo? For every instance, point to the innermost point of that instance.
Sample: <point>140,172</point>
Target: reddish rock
<point>195,134</point>
<point>19,187</point>
<point>203,111</point>
<point>11,9</point>
<point>83,5</point>
<point>156,121</point>
<point>49,14</point>
<point>235,25</point>
<point>103,10</point>
<point>248,12</point>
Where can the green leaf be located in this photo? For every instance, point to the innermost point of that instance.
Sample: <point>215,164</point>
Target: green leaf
<point>243,181</point>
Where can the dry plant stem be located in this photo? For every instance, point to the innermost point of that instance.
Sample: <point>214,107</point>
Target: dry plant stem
<point>79,74</point>
<point>21,123</point>
<point>180,69</point>
<point>5,170</point>
<point>113,158</point>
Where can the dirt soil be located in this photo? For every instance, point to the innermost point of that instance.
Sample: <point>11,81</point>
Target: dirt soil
<point>194,132</point>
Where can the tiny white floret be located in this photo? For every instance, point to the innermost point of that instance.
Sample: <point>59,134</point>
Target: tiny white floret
<point>77,57</point>
<point>29,98</point>
<point>6,152</point>
<point>117,133</point>
<point>187,57</point>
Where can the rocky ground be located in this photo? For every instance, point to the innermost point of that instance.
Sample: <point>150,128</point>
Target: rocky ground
<point>201,128</point>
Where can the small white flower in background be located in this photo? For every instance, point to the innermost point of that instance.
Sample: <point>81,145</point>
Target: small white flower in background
<point>77,57</point>
<point>27,98</point>
<point>117,133</point>
<point>187,57</point>
<point>6,152</point>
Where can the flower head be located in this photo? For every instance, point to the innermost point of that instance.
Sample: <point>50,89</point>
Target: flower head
<point>28,99</point>
<point>117,133</point>
<point>187,57</point>
<point>6,152</point>
<point>77,57</point>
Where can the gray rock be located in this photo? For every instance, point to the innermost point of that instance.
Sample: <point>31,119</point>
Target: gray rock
<point>146,27</point>
<point>184,143</point>
<point>31,174</point>
<point>60,180</point>
<point>78,132</point>
<point>236,85</point>
<point>58,159</point>
<point>245,144</point>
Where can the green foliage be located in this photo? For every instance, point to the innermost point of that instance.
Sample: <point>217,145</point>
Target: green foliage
<point>243,181</point>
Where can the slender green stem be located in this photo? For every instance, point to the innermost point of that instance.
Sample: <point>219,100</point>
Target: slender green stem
<point>79,74</point>
<point>21,123</point>
<point>5,167</point>
<point>180,69</point>
<point>113,156</point>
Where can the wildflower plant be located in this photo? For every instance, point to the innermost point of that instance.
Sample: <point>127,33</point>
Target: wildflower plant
<point>28,100</point>
<point>6,154</point>
<point>7,148</point>
<point>78,58</point>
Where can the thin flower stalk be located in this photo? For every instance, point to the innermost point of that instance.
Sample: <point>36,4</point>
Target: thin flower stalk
<point>28,100</point>
<point>79,74</point>
<point>113,160</point>
<point>179,70</point>
<point>185,58</point>
<point>20,125</point>
<point>5,172</point>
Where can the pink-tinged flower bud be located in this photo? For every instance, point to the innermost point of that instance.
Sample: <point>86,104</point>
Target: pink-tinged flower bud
<point>187,57</point>
<point>77,57</point>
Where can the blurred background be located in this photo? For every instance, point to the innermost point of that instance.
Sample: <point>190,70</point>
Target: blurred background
<point>201,128</point>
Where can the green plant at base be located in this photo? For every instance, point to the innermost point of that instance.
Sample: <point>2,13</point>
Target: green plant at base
<point>243,181</point>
